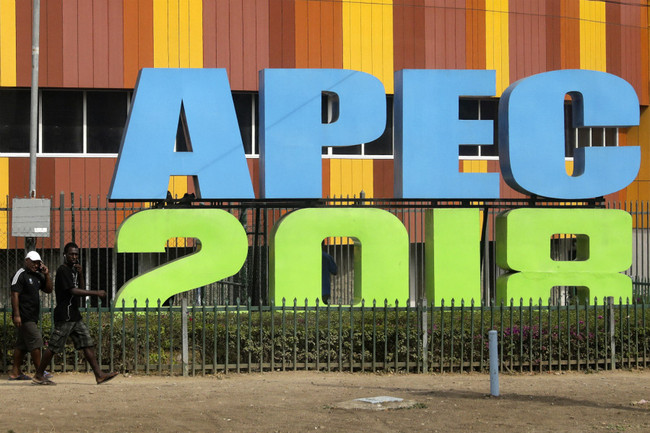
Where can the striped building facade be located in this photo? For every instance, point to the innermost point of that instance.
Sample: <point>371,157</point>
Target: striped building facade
<point>93,48</point>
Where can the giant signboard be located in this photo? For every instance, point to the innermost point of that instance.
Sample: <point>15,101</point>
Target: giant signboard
<point>427,135</point>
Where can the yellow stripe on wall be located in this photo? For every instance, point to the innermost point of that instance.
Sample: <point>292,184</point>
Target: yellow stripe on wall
<point>475,166</point>
<point>4,192</point>
<point>496,41</point>
<point>593,44</point>
<point>178,34</point>
<point>7,42</point>
<point>640,136</point>
<point>568,166</point>
<point>368,38</point>
<point>348,177</point>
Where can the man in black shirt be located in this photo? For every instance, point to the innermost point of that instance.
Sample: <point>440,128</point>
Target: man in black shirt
<point>33,277</point>
<point>70,287</point>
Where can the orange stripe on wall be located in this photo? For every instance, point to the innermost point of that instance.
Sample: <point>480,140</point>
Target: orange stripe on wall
<point>570,34</point>
<point>318,34</point>
<point>475,34</point>
<point>137,26</point>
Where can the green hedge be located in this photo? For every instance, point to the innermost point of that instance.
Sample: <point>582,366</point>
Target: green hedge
<point>384,339</point>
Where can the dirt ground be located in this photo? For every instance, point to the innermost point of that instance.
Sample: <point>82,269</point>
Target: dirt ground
<point>305,401</point>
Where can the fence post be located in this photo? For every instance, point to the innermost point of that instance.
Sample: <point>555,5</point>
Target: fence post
<point>61,223</point>
<point>612,332</point>
<point>425,339</point>
<point>184,354</point>
<point>493,346</point>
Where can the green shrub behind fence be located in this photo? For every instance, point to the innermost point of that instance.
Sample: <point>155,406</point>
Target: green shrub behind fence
<point>344,338</point>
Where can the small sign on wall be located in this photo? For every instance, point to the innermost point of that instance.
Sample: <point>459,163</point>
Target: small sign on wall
<point>30,217</point>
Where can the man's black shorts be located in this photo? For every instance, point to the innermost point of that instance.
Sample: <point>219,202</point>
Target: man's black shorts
<point>29,337</point>
<point>78,331</point>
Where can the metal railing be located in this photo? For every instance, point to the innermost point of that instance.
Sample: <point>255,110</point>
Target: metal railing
<point>415,337</point>
<point>93,222</point>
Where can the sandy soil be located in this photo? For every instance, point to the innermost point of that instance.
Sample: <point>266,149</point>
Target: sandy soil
<point>304,401</point>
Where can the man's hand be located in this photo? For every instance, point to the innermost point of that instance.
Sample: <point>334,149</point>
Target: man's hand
<point>77,267</point>
<point>17,321</point>
<point>44,269</point>
<point>101,293</point>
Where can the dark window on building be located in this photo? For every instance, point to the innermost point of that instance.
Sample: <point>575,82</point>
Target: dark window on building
<point>479,109</point>
<point>62,121</point>
<point>384,144</point>
<point>347,150</point>
<point>569,131</point>
<point>106,117</point>
<point>585,136</point>
<point>244,106</point>
<point>14,120</point>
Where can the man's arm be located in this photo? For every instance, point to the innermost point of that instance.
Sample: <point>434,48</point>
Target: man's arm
<point>82,292</point>
<point>15,305</point>
<point>48,280</point>
<point>81,281</point>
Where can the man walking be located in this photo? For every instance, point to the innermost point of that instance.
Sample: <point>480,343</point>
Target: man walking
<point>29,280</point>
<point>70,287</point>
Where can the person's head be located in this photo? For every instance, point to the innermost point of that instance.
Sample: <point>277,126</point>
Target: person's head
<point>71,253</point>
<point>33,261</point>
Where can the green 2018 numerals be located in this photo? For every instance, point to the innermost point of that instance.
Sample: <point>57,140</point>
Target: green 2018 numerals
<point>381,253</point>
<point>222,252</point>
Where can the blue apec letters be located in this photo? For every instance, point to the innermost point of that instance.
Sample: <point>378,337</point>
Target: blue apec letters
<point>147,157</point>
<point>531,134</point>
<point>428,133</point>
<point>292,133</point>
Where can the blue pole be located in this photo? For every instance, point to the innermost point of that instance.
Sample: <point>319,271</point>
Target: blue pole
<point>494,363</point>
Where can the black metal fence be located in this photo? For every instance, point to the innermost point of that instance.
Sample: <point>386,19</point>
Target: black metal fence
<point>371,337</point>
<point>92,222</point>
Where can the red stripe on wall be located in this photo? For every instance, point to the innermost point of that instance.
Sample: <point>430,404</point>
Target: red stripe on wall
<point>644,97</point>
<point>275,34</point>
<point>527,39</point>
<point>282,50</point>
<point>100,43</point>
<point>85,43</point>
<point>43,49</point>
<point>131,33</point>
<point>383,174</point>
<point>70,65</point>
<point>223,37</point>
<point>629,46</point>
<point>445,34</point>
<point>613,48</point>
<point>250,47</point>
<point>262,39</point>
<point>254,171</point>
<point>409,34</point>
<point>54,36</point>
<point>209,34</point>
<point>553,34</point>
<point>18,177</point>
<point>287,31</point>
<point>236,42</point>
<point>115,45</point>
